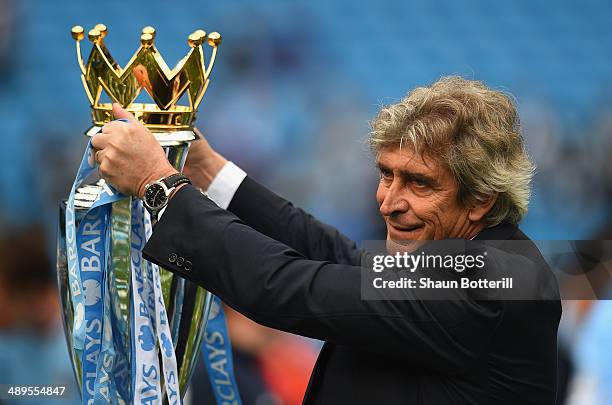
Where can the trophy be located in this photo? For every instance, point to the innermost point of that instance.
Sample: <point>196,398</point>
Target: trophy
<point>186,305</point>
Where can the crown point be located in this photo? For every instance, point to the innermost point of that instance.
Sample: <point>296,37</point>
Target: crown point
<point>77,32</point>
<point>214,39</point>
<point>102,29</point>
<point>94,35</point>
<point>149,30</point>
<point>146,40</point>
<point>194,40</point>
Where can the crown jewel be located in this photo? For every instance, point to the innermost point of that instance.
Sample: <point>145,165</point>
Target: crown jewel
<point>146,70</point>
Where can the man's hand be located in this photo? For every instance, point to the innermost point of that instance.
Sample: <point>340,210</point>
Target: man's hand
<point>129,155</point>
<point>203,163</point>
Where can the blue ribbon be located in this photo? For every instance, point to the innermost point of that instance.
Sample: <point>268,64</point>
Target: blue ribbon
<point>146,371</point>
<point>92,255</point>
<point>88,255</point>
<point>217,353</point>
<point>96,338</point>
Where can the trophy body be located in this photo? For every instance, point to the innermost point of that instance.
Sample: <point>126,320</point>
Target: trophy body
<point>187,305</point>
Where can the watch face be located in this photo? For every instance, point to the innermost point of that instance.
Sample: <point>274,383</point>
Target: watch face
<point>155,196</point>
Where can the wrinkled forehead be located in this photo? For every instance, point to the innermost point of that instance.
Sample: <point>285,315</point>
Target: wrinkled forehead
<point>408,159</point>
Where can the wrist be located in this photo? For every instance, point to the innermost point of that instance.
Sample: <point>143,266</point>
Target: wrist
<point>153,177</point>
<point>209,170</point>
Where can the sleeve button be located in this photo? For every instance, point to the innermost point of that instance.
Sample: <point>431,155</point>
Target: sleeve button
<point>187,265</point>
<point>180,261</point>
<point>172,257</point>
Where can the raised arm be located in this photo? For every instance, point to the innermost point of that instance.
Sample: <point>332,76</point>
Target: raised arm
<point>276,286</point>
<point>277,218</point>
<point>264,211</point>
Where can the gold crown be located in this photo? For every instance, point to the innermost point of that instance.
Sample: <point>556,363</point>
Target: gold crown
<point>146,69</point>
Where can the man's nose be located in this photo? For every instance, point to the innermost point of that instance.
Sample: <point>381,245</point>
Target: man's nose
<point>394,199</point>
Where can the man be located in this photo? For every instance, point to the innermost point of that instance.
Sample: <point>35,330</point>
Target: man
<point>452,165</point>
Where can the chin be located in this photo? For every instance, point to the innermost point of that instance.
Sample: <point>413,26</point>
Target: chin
<point>402,246</point>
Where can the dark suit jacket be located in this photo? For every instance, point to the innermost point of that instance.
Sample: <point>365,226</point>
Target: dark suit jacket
<point>282,268</point>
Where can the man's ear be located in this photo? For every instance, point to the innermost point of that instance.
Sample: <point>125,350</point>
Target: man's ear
<point>479,209</point>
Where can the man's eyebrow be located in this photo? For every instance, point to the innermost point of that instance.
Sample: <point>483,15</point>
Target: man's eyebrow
<point>418,176</point>
<point>382,166</point>
<point>409,175</point>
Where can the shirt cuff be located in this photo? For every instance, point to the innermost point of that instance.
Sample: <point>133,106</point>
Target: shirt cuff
<point>225,184</point>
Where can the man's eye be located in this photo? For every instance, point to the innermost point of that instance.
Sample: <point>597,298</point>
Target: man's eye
<point>420,184</point>
<point>385,175</point>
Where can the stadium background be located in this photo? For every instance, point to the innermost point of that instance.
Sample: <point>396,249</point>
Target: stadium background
<point>291,94</point>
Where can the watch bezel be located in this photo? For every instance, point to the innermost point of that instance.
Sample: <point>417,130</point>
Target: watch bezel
<point>166,193</point>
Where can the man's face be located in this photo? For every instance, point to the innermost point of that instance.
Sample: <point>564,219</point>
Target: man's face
<point>418,198</point>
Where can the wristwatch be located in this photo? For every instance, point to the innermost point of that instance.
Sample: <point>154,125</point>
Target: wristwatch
<point>156,194</point>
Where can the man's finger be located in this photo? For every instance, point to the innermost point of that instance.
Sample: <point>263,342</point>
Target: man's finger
<point>98,156</point>
<point>109,126</point>
<point>100,140</point>
<point>119,112</point>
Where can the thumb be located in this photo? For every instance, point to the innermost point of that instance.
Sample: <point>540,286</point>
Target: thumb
<point>119,113</point>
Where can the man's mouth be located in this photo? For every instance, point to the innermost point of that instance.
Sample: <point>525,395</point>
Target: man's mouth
<point>405,228</point>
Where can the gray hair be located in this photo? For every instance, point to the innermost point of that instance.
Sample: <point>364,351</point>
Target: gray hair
<point>474,131</point>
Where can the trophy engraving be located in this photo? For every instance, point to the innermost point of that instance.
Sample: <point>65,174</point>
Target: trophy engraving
<point>186,304</point>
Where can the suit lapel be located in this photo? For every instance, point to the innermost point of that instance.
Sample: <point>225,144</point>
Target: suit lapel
<point>503,231</point>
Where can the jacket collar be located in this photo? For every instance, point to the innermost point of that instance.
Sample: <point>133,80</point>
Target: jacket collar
<point>503,231</point>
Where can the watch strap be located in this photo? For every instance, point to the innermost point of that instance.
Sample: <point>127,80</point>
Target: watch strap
<point>175,180</point>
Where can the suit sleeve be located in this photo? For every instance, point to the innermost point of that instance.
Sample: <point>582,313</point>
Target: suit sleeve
<point>277,286</point>
<point>266,212</point>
